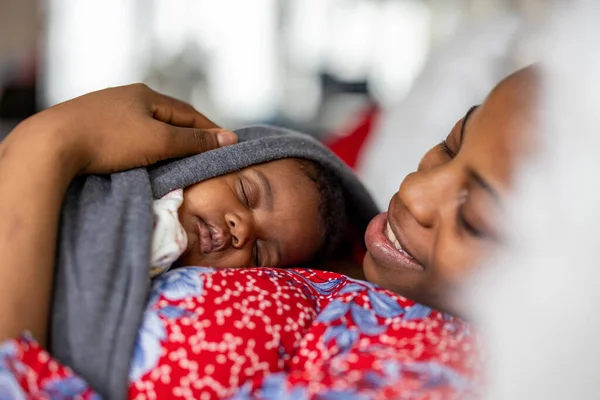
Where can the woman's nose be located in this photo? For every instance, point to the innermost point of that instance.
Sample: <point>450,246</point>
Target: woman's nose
<point>241,229</point>
<point>425,193</point>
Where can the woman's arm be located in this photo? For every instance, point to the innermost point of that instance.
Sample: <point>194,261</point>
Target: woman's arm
<point>33,180</point>
<point>105,131</point>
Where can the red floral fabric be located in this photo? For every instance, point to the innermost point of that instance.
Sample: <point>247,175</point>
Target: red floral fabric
<point>276,334</point>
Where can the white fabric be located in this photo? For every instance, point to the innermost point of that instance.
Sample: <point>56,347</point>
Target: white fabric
<point>169,239</point>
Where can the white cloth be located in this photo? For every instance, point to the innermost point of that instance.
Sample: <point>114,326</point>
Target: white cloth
<point>169,239</point>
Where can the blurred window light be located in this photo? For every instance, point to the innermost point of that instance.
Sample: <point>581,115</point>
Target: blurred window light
<point>351,28</point>
<point>303,96</point>
<point>208,29</point>
<point>90,45</point>
<point>306,29</point>
<point>170,24</point>
<point>383,42</point>
<point>400,48</point>
<point>254,58</point>
<point>243,69</point>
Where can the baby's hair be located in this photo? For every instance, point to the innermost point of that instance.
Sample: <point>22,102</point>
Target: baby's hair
<point>332,208</point>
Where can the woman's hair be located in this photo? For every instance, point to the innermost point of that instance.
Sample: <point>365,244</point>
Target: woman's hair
<point>332,206</point>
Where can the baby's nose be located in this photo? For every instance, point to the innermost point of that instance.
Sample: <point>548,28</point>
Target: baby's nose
<point>240,229</point>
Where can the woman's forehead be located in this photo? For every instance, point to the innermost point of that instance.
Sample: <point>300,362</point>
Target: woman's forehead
<point>515,98</point>
<point>501,131</point>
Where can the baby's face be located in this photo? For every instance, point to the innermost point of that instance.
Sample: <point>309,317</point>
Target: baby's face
<point>262,216</point>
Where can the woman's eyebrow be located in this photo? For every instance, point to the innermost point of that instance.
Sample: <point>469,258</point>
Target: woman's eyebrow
<point>474,175</point>
<point>465,119</point>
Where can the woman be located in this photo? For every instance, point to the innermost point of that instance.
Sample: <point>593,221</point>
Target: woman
<point>444,217</point>
<point>439,225</point>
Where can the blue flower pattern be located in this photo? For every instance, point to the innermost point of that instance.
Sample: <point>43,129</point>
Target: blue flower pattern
<point>336,315</point>
<point>176,284</point>
<point>417,311</point>
<point>435,375</point>
<point>322,288</point>
<point>383,305</point>
<point>65,388</point>
<point>181,283</point>
<point>146,352</point>
<point>9,387</point>
<point>431,375</point>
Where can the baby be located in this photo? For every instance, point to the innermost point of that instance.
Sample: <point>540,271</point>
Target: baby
<point>280,213</point>
<point>276,198</point>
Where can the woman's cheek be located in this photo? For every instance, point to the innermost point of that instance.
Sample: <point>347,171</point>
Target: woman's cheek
<point>456,264</point>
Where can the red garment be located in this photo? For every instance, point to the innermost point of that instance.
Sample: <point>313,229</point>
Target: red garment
<point>349,145</point>
<point>278,334</point>
<point>28,372</point>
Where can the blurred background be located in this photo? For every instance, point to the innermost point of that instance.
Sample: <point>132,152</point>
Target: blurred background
<point>378,80</point>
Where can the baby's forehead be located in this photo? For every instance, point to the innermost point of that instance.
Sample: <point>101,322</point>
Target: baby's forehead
<point>283,167</point>
<point>281,161</point>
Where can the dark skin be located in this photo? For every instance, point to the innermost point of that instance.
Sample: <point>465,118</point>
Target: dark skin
<point>262,216</point>
<point>446,214</point>
<point>441,214</point>
<point>102,132</point>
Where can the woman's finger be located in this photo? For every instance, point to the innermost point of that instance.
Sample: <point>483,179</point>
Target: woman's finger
<point>181,142</point>
<point>176,112</point>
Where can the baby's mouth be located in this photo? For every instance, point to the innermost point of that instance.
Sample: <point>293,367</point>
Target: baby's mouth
<point>210,237</point>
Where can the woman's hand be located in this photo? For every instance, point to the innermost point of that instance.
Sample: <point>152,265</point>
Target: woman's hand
<point>122,128</point>
<point>105,131</point>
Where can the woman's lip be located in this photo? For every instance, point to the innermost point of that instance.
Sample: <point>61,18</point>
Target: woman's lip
<point>383,251</point>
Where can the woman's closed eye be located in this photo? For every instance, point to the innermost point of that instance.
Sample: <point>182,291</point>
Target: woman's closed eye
<point>469,227</point>
<point>446,149</point>
<point>473,214</point>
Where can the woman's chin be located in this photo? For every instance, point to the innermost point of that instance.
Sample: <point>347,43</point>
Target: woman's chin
<point>370,272</point>
<point>379,275</point>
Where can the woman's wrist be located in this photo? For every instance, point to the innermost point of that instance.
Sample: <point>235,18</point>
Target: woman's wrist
<point>42,142</point>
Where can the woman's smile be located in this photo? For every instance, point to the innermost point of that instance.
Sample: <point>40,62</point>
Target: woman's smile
<point>385,248</point>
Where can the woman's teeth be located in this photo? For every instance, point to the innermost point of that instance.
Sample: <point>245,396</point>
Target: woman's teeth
<point>392,238</point>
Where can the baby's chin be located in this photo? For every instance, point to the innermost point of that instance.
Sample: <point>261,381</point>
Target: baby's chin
<point>188,259</point>
<point>193,259</point>
<point>192,256</point>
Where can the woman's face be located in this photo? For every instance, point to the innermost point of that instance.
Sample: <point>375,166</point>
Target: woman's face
<point>445,217</point>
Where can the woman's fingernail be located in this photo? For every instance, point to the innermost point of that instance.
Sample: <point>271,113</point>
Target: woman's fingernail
<point>226,138</point>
